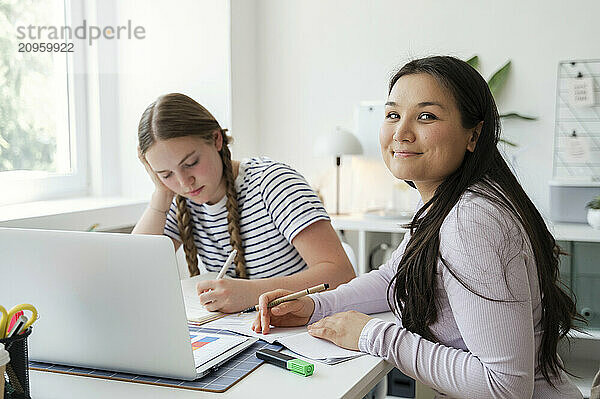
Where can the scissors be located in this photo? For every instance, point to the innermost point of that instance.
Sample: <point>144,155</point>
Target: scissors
<point>6,316</point>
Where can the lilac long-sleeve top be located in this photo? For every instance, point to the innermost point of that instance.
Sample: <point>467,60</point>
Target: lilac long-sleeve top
<point>486,349</point>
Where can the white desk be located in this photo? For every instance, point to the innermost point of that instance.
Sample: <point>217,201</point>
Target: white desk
<point>351,379</point>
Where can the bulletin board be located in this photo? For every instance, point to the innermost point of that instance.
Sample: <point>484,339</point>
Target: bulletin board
<point>575,120</point>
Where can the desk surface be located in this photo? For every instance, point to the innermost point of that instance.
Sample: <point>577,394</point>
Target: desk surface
<point>350,379</point>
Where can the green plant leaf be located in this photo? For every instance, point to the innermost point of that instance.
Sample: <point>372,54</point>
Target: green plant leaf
<point>594,204</point>
<point>520,116</point>
<point>499,78</point>
<point>473,61</point>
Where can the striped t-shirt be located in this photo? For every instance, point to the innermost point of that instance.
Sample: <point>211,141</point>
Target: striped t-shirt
<point>275,203</point>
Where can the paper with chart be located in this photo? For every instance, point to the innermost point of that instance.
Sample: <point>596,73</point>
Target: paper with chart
<point>295,339</point>
<point>207,346</point>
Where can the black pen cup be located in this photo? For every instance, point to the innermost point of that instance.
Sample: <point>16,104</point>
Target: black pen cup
<point>17,368</point>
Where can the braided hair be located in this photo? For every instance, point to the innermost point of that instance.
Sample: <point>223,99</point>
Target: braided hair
<point>177,115</point>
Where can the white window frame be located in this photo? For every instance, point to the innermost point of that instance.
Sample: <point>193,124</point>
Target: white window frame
<point>35,187</point>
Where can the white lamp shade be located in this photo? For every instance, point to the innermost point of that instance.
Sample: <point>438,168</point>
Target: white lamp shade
<point>337,143</point>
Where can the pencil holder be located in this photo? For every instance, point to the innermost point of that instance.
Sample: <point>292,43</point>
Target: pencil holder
<point>4,359</point>
<point>17,370</point>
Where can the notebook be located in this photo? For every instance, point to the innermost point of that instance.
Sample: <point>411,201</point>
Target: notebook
<point>195,312</point>
<point>107,301</point>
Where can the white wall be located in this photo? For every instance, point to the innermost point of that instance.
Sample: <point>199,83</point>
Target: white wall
<point>187,50</point>
<point>317,59</point>
<point>244,98</point>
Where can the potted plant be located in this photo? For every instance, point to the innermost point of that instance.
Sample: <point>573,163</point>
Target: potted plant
<point>593,215</point>
<point>495,83</point>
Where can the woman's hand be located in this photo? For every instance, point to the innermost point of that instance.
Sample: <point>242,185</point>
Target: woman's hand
<point>228,295</point>
<point>343,329</point>
<point>288,314</point>
<point>165,194</point>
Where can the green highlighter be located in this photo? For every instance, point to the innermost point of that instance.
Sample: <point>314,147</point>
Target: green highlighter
<point>286,362</point>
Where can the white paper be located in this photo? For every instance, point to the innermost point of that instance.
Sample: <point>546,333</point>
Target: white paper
<point>577,149</point>
<point>316,348</point>
<point>193,307</point>
<point>581,92</point>
<point>242,324</point>
<point>295,339</point>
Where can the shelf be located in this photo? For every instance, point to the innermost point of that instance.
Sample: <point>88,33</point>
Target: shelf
<point>588,333</point>
<point>360,222</point>
<point>74,214</point>
<point>574,232</point>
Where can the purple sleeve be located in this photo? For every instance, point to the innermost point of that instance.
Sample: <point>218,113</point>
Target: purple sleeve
<point>366,293</point>
<point>499,335</point>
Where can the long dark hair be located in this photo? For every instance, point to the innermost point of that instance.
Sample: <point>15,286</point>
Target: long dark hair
<point>484,173</point>
<point>177,115</point>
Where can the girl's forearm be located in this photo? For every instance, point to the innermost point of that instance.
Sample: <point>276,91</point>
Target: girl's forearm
<point>155,216</point>
<point>151,222</point>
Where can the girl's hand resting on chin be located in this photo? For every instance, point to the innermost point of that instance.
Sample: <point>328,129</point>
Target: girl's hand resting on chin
<point>160,189</point>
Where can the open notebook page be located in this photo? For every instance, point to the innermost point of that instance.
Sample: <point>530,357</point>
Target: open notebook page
<point>295,339</point>
<point>193,308</point>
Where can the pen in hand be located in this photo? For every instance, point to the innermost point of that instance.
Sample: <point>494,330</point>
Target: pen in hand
<point>226,265</point>
<point>224,269</point>
<point>290,297</point>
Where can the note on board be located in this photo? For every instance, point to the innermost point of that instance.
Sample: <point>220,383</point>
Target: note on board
<point>581,92</point>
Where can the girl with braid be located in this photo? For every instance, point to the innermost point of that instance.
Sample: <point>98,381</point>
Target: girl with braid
<point>212,205</point>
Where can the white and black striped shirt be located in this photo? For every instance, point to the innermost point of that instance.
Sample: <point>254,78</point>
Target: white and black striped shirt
<point>275,204</point>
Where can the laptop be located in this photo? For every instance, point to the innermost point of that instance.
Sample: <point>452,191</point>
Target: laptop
<point>105,301</point>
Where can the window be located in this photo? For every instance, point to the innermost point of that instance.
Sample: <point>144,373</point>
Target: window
<point>42,143</point>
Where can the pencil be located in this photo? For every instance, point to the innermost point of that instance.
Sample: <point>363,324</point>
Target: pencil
<point>290,297</point>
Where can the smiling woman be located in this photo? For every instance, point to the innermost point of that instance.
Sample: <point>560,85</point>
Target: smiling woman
<point>422,137</point>
<point>212,204</point>
<point>474,284</point>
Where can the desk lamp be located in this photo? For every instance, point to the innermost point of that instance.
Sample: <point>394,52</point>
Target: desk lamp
<point>338,143</point>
